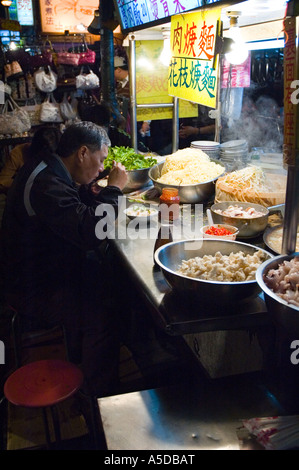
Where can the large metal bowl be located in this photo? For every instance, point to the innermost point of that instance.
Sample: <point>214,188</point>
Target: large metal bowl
<point>137,179</point>
<point>248,227</point>
<point>284,314</point>
<point>169,257</point>
<point>191,193</point>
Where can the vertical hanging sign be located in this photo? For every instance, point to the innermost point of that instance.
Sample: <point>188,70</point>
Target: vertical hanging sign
<point>193,70</point>
<point>290,107</point>
<point>25,12</point>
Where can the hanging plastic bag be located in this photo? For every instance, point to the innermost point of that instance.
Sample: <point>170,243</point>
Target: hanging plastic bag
<point>14,119</point>
<point>33,109</point>
<point>50,110</point>
<point>45,79</point>
<point>87,81</point>
<point>88,56</point>
<point>69,108</point>
<point>13,70</point>
<point>68,58</point>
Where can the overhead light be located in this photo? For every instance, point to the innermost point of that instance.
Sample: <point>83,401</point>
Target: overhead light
<point>6,3</point>
<point>165,55</point>
<point>238,52</point>
<point>266,44</point>
<point>95,25</point>
<point>81,27</point>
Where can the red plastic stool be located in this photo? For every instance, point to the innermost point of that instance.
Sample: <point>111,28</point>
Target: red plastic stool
<point>44,384</point>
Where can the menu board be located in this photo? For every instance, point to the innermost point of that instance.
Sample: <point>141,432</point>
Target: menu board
<point>58,16</point>
<point>138,14</point>
<point>193,70</point>
<point>152,85</point>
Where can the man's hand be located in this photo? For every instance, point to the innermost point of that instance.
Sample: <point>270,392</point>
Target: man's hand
<point>118,176</point>
<point>186,131</point>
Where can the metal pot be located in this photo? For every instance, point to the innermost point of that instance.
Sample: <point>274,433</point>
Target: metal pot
<point>189,194</point>
<point>248,227</point>
<point>170,256</point>
<point>284,314</point>
<point>137,179</point>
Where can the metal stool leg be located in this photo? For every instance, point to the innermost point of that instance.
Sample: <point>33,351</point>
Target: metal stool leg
<point>47,431</point>
<point>55,419</point>
<point>99,440</point>
<point>16,338</point>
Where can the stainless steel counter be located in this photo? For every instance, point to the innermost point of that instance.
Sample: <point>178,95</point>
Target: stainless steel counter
<point>196,414</point>
<point>189,416</point>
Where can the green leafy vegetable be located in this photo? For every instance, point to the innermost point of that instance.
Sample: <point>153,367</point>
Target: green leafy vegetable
<point>129,158</point>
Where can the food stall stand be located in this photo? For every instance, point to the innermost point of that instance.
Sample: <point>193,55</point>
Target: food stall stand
<point>234,346</point>
<point>139,268</point>
<point>234,343</point>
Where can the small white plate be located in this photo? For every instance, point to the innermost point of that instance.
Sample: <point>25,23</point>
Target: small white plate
<point>141,212</point>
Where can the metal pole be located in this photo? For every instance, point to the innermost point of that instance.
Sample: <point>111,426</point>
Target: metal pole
<point>133,112</point>
<point>175,125</point>
<point>291,216</point>
<point>155,105</point>
<point>108,93</point>
<point>290,223</point>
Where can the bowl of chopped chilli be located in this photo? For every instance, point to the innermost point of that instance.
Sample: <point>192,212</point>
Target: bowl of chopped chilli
<point>215,271</point>
<point>220,231</point>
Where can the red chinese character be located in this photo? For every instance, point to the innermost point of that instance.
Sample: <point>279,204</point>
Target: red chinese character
<point>190,38</point>
<point>206,40</point>
<point>177,38</point>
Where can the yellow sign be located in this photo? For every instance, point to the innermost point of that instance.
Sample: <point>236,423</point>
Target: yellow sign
<point>58,15</point>
<point>152,86</point>
<point>193,70</point>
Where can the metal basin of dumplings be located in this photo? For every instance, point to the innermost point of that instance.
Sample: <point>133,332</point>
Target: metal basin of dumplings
<point>169,257</point>
<point>189,194</point>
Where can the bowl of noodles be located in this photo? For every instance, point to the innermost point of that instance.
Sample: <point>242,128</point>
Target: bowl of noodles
<point>251,184</point>
<point>189,170</point>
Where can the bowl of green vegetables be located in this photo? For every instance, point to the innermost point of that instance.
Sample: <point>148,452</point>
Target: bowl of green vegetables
<point>136,164</point>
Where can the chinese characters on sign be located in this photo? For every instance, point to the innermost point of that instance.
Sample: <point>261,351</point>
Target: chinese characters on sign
<point>25,12</point>
<point>151,84</point>
<point>137,14</point>
<point>238,76</point>
<point>290,108</point>
<point>193,70</point>
<point>58,15</point>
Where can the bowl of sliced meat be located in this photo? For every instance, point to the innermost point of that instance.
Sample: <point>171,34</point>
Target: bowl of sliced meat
<point>279,280</point>
<point>249,218</point>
